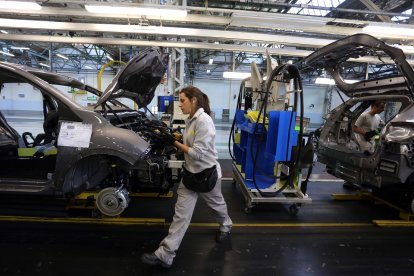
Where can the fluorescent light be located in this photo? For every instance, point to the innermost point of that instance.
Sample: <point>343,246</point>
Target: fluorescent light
<point>405,48</point>
<point>44,64</point>
<point>62,56</point>
<point>351,81</point>
<point>4,32</point>
<point>208,71</point>
<point>109,57</point>
<point>137,11</point>
<point>210,61</point>
<point>235,75</point>
<point>88,67</point>
<point>19,48</point>
<point>329,81</point>
<point>18,5</point>
<point>381,30</point>
<point>324,81</point>
<point>7,54</point>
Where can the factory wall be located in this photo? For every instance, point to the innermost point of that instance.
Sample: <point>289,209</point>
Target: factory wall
<point>222,93</point>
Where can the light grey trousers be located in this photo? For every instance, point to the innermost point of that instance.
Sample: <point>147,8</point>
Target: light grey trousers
<point>184,209</point>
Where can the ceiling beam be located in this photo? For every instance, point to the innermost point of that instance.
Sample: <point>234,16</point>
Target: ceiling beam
<point>178,44</point>
<point>225,19</point>
<point>164,31</point>
<point>233,4</point>
<point>372,7</point>
<point>81,13</point>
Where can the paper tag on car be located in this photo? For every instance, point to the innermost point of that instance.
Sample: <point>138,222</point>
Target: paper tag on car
<point>75,134</point>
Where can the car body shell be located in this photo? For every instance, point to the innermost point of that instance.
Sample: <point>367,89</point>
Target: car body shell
<point>125,148</point>
<point>392,162</point>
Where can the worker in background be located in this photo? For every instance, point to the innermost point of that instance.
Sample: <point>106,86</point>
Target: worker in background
<point>366,127</point>
<point>200,153</point>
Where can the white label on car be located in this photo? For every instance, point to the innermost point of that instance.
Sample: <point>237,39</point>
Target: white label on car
<point>75,134</point>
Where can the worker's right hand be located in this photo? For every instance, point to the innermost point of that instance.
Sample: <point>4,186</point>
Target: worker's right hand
<point>178,136</point>
<point>167,137</point>
<point>369,134</point>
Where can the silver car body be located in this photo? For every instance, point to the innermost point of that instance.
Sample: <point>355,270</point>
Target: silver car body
<point>125,148</point>
<point>391,165</point>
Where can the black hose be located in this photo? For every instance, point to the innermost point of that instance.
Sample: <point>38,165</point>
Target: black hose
<point>294,72</point>
<point>274,73</point>
<point>238,107</point>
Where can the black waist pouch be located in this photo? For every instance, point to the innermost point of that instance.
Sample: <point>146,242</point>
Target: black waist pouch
<point>202,182</point>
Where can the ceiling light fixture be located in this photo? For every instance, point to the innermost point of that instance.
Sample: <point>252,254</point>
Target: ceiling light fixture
<point>19,48</point>
<point>4,32</point>
<point>236,75</point>
<point>329,81</point>
<point>7,54</point>
<point>164,12</point>
<point>19,5</point>
<point>45,65</point>
<point>408,49</point>
<point>383,30</point>
<point>109,57</point>
<point>210,61</point>
<point>88,67</point>
<point>62,56</point>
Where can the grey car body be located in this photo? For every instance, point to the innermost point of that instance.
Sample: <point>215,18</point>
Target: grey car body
<point>391,165</point>
<point>126,149</point>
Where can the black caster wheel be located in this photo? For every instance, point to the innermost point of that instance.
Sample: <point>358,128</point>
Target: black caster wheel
<point>293,209</point>
<point>248,210</point>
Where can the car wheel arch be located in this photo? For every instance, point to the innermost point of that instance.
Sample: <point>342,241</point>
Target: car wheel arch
<point>88,172</point>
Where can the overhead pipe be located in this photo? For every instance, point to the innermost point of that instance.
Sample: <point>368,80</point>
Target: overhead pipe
<point>101,71</point>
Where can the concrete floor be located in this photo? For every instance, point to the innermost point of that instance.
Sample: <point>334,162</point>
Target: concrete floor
<point>326,237</point>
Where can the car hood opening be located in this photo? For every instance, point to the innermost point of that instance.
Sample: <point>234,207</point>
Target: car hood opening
<point>139,78</point>
<point>333,56</point>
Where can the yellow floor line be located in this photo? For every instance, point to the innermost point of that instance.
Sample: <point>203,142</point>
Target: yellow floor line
<point>115,221</point>
<point>159,221</point>
<point>309,224</point>
<point>393,223</point>
<point>86,195</point>
<point>405,215</point>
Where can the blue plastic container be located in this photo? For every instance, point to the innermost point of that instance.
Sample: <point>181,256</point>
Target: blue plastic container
<point>266,147</point>
<point>239,117</point>
<point>283,135</point>
<point>164,102</point>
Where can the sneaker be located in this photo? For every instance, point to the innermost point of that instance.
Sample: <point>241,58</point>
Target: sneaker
<point>351,186</point>
<point>152,259</point>
<point>222,236</point>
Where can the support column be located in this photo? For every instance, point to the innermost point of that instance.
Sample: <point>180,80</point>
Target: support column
<point>176,83</point>
<point>177,74</point>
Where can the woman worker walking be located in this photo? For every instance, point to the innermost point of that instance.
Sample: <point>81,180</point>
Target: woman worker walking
<point>200,154</point>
